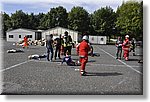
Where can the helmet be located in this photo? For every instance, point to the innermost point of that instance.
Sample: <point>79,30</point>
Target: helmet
<point>85,38</point>
<point>127,36</point>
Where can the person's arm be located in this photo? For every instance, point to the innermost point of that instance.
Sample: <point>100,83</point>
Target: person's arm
<point>63,60</point>
<point>77,48</point>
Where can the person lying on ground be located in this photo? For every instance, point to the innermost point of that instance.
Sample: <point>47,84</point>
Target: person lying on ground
<point>14,50</point>
<point>140,61</point>
<point>94,54</point>
<point>36,56</point>
<point>69,60</point>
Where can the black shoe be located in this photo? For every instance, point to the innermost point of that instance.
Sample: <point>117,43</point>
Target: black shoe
<point>83,73</point>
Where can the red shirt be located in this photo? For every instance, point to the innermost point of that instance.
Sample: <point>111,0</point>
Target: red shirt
<point>83,48</point>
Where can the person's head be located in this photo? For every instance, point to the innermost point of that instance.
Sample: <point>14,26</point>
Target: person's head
<point>67,53</point>
<point>119,38</point>
<point>51,35</point>
<point>66,33</point>
<point>30,57</point>
<point>85,38</point>
<point>127,37</point>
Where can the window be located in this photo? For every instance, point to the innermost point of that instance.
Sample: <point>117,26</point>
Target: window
<point>11,36</point>
<point>19,36</point>
<point>29,36</point>
<point>102,39</point>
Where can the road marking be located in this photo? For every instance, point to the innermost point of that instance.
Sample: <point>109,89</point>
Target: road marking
<point>121,61</point>
<point>14,66</point>
<point>110,65</point>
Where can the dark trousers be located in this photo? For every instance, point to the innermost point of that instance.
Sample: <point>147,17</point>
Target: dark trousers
<point>68,48</point>
<point>57,51</point>
<point>119,52</point>
<point>49,50</point>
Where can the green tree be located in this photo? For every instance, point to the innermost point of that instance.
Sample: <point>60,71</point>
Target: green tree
<point>78,19</point>
<point>104,21</point>
<point>130,18</point>
<point>19,20</point>
<point>6,25</point>
<point>55,17</point>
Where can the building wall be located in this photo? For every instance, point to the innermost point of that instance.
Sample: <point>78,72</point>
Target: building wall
<point>97,39</point>
<point>18,32</point>
<point>58,30</point>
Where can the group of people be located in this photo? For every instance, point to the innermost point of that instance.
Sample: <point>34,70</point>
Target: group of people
<point>126,45</point>
<point>64,43</point>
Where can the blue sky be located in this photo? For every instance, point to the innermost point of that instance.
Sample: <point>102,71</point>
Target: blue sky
<point>39,6</point>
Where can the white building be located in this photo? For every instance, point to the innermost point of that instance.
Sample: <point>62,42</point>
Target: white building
<point>18,34</point>
<point>60,30</point>
<point>97,39</point>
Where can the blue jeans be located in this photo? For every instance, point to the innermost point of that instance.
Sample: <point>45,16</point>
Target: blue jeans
<point>49,50</point>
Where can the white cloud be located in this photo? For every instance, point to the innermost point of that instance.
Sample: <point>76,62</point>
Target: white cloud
<point>65,1</point>
<point>90,5</point>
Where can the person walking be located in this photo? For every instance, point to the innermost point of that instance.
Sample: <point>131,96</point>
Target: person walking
<point>126,46</point>
<point>82,49</point>
<point>119,48</point>
<point>25,42</point>
<point>49,47</point>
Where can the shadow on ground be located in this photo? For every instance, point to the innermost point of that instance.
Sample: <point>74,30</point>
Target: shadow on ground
<point>103,74</point>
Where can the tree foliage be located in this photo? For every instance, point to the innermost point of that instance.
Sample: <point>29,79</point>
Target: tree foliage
<point>104,21</point>
<point>78,19</point>
<point>19,20</point>
<point>55,17</point>
<point>130,18</point>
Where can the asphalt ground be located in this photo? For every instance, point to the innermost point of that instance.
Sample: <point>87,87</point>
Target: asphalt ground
<point>106,75</point>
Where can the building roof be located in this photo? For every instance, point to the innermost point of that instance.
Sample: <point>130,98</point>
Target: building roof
<point>59,27</point>
<point>24,29</point>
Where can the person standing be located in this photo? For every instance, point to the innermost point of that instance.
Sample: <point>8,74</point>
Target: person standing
<point>82,49</point>
<point>69,44</point>
<point>49,47</point>
<point>58,47</point>
<point>126,46</point>
<point>119,48</point>
<point>66,43</point>
<point>133,46</point>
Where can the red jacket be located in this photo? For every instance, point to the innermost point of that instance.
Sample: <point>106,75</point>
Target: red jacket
<point>126,44</point>
<point>83,48</point>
